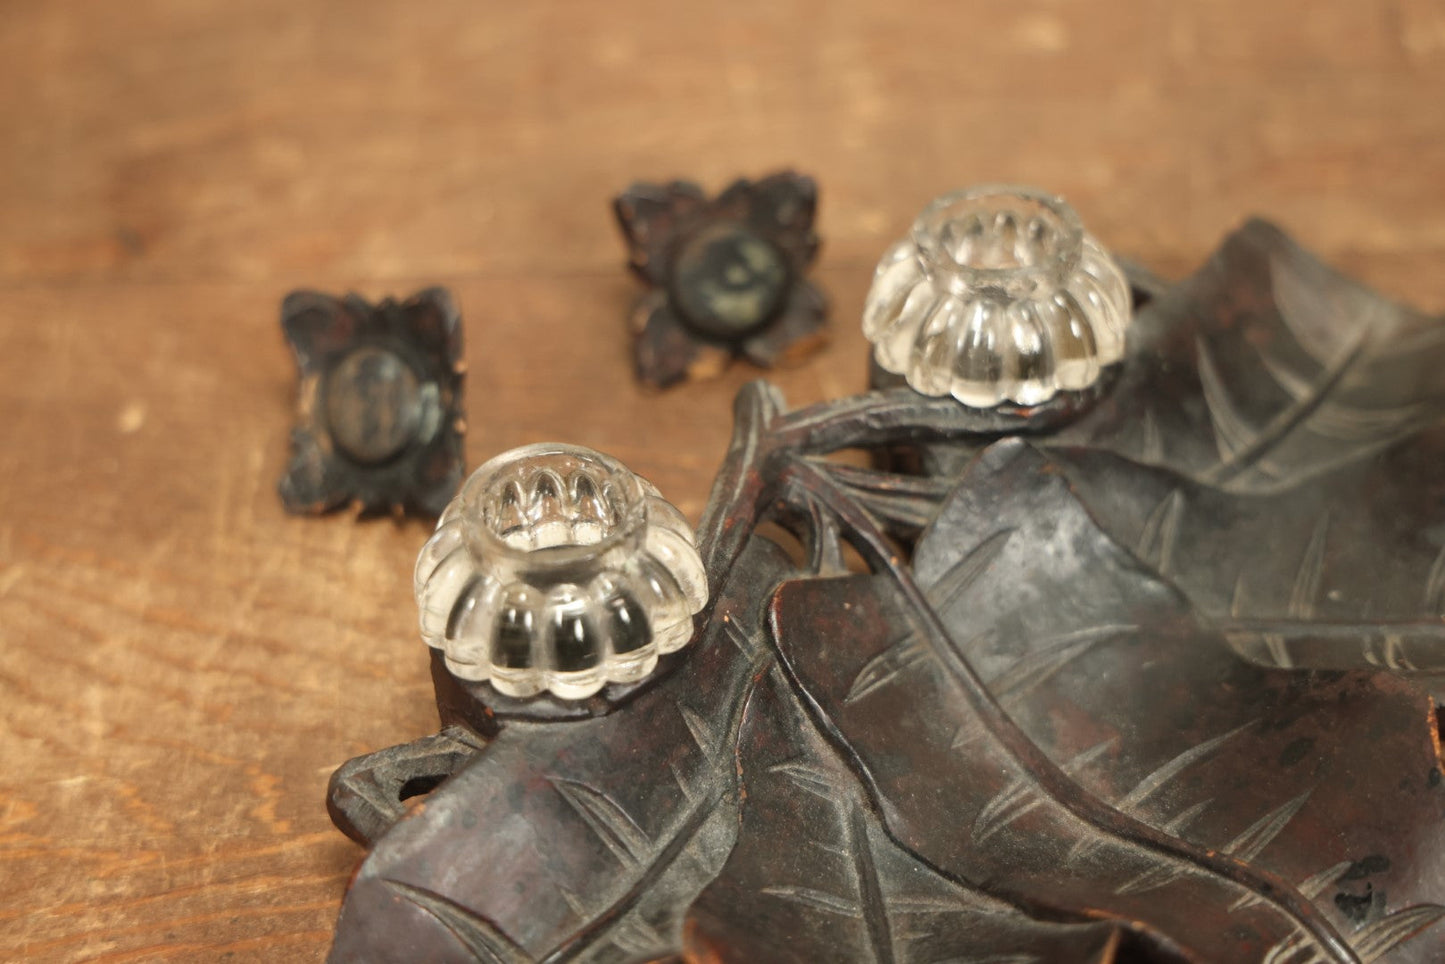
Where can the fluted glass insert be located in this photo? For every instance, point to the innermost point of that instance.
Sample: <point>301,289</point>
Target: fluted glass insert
<point>997,294</point>
<point>556,568</point>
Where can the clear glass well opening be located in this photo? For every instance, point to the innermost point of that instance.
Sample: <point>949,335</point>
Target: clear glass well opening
<point>557,569</point>
<point>555,504</point>
<point>1000,236</point>
<point>998,295</point>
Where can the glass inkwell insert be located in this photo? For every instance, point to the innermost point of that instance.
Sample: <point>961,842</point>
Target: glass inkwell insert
<point>557,569</point>
<point>997,295</point>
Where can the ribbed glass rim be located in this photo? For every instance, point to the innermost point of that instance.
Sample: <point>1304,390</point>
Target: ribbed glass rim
<point>487,542</point>
<point>928,227</point>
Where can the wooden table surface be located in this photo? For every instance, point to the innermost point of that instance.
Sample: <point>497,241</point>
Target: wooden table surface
<point>181,664</point>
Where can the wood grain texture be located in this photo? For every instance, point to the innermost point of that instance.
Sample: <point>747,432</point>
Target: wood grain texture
<point>181,664</point>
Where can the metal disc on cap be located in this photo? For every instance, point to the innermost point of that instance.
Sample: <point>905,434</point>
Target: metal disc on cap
<point>373,405</point>
<point>728,281</point>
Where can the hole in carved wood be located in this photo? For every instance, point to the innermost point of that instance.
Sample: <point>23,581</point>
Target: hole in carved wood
<point>420,786</point>
<point>853,562</point>
<point>1135,948</point>
<point>1435,774</point>
<point>791,545</point>
<point>1140,297</point>
<point>858,458</point>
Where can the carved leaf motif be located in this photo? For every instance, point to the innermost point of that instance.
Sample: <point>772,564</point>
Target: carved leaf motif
<point>1258,835</point>
<point>845,885</point>
<point>885,667</point>
<point>1352,574</point>
<point>1049,656</point>
<point>945,593</point>
<point>612,825</point>
<point>1161,533</point>
<point>1158,780</point>
<point>1018,798</point>
<point>1032,859</point>
<point>1180,792</point>
<point>479,935</point>
<point>1035,739</point>
<point>626,855</point>
<point>1310,373</point>
<point>1388,933</point>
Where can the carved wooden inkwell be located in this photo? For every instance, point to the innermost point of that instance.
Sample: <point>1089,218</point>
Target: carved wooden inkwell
<point>1126,648</point>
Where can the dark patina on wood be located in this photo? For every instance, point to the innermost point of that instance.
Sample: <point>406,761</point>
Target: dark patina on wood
<point>725,275</point>
<point>1144,676</point>
<point>379,421</point>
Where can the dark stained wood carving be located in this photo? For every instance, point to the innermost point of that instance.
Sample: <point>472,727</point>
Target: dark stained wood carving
<point>1141,677</point>
<point>725,275</point>
<point>379,403</point>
